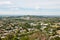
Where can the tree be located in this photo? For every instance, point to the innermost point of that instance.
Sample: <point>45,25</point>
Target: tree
<point>24,38</point>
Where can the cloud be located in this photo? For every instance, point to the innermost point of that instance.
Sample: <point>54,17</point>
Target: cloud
<point>46,4</point>
<point>31,7</point>
<point>27,13</point>
<point>12,13</point>
<point>5,2</point>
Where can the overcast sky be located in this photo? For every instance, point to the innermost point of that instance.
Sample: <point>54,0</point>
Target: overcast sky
<point>29,7</point>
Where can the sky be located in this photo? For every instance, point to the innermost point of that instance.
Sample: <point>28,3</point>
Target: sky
<point>29,7</point>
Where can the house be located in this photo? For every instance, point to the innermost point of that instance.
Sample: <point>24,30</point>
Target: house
<point>58,32</point>
<point>33,24</point>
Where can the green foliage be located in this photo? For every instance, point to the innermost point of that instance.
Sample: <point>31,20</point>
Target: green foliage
<point>57,38</point>
<point>24,38</point>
